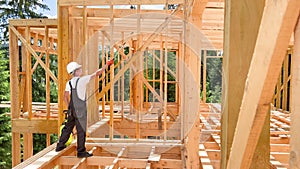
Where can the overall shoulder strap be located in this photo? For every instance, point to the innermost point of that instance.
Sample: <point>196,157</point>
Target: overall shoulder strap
<point>70,84</point>
<point>76,83</point>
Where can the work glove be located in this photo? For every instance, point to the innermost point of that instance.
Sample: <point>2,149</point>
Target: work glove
<point>111,61</point>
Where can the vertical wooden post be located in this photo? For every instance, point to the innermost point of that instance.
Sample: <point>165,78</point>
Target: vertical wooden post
<point>153,70</point>
<point>63,58</point>
<point>204,75</point>
<point>161,53</point>
<point>285,81</point>
<point>14,94</point>
<point>137,84</point>
<point>177,77</point>
<point>122,80</point>
<point>295,104</point>
<point>239,43</point>
<point>46,46</point>
<point>111,102</point>
<point>147,78</point>
<point>27,137</point>
<point>103,74</point>
<point>165,80</point>
<point>278,88</point>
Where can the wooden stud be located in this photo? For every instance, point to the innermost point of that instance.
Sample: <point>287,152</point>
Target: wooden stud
<point>46,46</point>
<point>285,82</point>
<point>138,92</point>
<point>112,93</point>
<point>63,57</point>
<point>204,76</point>
<point>295,106</point>
<point>103,74</point>
<point>14,83</point>
<point>236,63</point>
<point>27,145</point>
<point>164,70</point>
<point>160,113</point>
<point>123,79</point>
<point>245,139</point>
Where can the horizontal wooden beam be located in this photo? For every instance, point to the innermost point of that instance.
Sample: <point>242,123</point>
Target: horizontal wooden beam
<point>95,160</point>
<point>34,126</point>
<point>115,2</point>
<point>34,22</point>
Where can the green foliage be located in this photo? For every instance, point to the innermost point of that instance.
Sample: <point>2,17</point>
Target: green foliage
<point>40,141</point>
<point>153,62</point>
<point>39,82</point>
<point>5,127</point>
<point>18,9</point>
<point>214,80</point>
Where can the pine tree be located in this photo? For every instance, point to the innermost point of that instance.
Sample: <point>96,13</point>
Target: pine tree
<point>13,9</point>
<point>5,127</point>
<point>18,9</point>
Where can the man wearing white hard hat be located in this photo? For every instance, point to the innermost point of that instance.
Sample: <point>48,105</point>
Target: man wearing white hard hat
<point>77,110</point>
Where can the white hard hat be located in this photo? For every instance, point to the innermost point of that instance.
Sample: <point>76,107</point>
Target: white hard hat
<point>73,66</point>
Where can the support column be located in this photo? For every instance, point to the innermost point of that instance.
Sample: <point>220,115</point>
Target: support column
<point>295,104</point>
<point>14,94</point>
<point>27,137</point>
<point>63,58</point>
<point>239,43</point>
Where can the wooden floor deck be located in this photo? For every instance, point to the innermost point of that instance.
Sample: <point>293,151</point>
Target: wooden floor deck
<point>155,153</point>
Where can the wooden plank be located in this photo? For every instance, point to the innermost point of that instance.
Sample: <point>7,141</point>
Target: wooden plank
<point>48,158</point>
<point>34,22</point>
<point>14,94</point>
<point>27,145</point>
<point>116,2</point>
<point>236,62</point>
<point>204,76</point>
<point>35,157</point>
<point>168,163</point>
<point>81,164</point>
<point>34,126</point>
<point>46,46</point>
<point>63,57</point>
<point>28,77</point>
<point>115,163</point>
<point>16,148</point>
<point>152,156</point>
<point>112,74</point>
<point>197,11</point>
<point>294,160</point>
<point>94,160</point>
<point>279,16</point>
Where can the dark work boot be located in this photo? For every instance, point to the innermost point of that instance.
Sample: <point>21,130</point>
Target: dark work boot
<point>84,154</point>
<point>57,149</point>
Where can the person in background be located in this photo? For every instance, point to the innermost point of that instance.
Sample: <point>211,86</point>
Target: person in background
<point>77,109</point>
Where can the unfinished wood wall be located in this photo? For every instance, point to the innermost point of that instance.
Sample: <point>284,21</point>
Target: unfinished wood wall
<point>282,94</point>
<point>32,45</point>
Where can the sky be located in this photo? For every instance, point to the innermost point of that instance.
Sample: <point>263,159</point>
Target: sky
<point>52,4</point>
